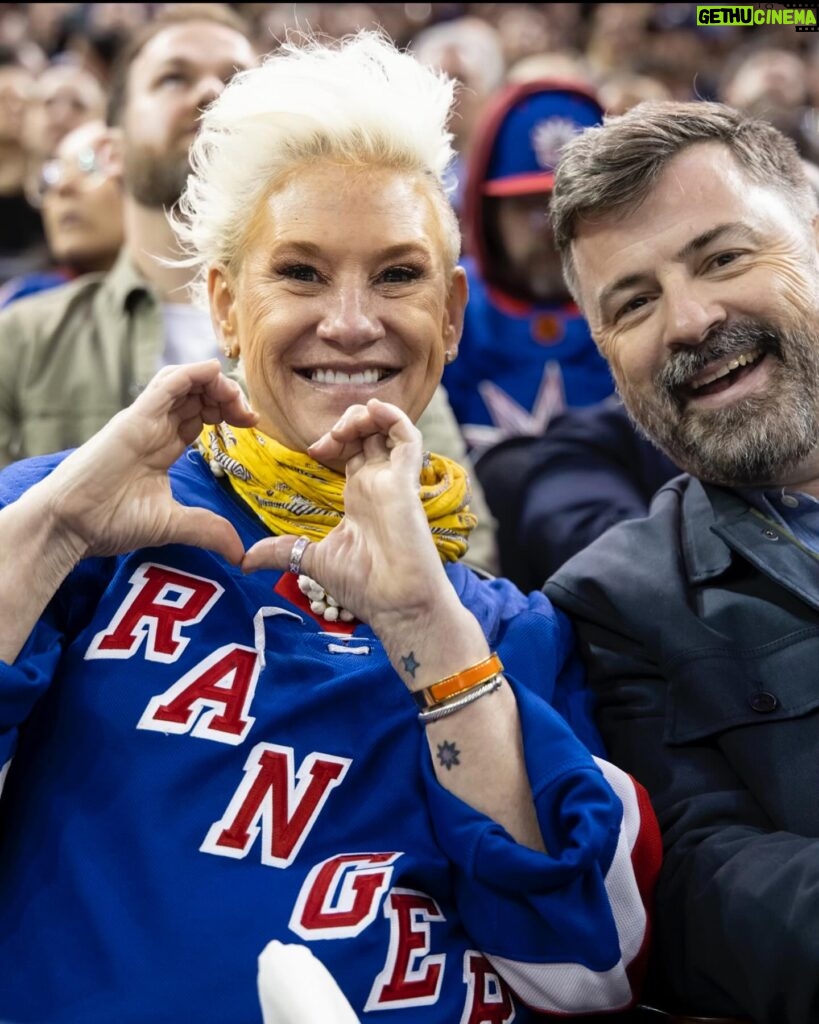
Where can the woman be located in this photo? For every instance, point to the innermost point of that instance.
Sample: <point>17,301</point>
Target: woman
<point>244,716</point>
<point>80,195</point>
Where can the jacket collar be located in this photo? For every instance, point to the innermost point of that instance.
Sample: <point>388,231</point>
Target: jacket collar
<point>718,523</point>
<point>705,507</point>
<point>124,284</point>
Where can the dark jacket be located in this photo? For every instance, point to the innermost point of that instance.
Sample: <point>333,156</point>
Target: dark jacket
<point>700,629</point>
<point>551,496</point>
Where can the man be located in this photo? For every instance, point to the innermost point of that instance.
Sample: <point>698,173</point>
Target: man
<point>526,350</point>
<point>689,238</point>
<point>72,357</point>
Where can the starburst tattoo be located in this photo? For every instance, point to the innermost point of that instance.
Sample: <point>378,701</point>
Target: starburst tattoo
<point>410,664</point>
<point>448,755</point>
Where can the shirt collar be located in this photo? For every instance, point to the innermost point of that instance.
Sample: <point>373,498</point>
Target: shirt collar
<point>124,282</point>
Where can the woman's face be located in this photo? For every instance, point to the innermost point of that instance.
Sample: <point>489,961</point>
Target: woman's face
<point>341,294</point>
<point>82,201</point>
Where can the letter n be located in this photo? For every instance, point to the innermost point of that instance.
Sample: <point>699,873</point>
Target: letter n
<point>487,998</point>
<point>410,977</point>
<point>287,810</point>
<point>161,601</point>
<point>225,682</point>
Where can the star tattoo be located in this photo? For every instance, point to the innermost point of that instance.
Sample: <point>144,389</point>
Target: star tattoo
<point>410,664</point>
<point>448,755</point>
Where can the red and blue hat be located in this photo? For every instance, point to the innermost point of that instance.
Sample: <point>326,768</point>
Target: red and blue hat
<point>534,129</point>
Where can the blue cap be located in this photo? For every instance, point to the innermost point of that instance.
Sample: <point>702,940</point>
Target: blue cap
<point>527,147</point>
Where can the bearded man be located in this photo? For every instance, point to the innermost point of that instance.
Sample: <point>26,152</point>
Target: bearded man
<point>72,357</point>
<point>688,234</point>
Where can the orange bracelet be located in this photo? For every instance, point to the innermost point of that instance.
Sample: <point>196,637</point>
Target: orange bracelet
<point>451,686</point>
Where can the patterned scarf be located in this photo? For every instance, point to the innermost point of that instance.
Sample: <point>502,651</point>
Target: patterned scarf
<point>292,493</point>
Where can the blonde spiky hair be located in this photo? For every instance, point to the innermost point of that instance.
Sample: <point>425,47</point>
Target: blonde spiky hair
<point>360,101</point>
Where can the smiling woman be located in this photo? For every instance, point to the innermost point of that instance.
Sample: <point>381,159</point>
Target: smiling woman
<point>325,318</point>
<point>250,644</point>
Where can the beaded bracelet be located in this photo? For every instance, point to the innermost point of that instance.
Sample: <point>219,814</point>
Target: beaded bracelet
<point>437,711</point>
<point>460,682</point>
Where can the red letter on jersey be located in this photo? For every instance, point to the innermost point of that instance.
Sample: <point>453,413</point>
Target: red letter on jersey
<point>225,682</point>
<point>287,811</point>
<point>409,977</point>
<point>487,1000</point>
<point>340,896</point>
<point>161,601</point>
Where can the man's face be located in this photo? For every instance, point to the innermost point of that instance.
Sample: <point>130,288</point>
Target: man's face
<point>63,98</point>
<point>177,74</point>
<point>15,86</point>
<point>527,263</point>
<point>704,300</point>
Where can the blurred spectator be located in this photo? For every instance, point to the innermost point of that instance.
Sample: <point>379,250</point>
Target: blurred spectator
<point>270,23</point>
<point>773,84</point>
<point>468,50</point>
<point>525,29</point>
<point>73,356</point>
<point>560,65</point>
<point>553,495</point>
<point>340,20</point>
<point>81,196</point>
<point>97,33</point>
<point>63,97</point>
<point>678,60</point>
<point>47,24</point>
<point>622,91</point>
<point>525,349</point>
<point>617,36</point>
<point>15,40</point>
<point>22,243</point>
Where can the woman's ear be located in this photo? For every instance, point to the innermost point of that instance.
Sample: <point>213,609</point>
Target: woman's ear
<point>455,307</point>
<point>223,310</point>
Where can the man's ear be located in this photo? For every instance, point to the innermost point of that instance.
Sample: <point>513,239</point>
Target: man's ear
<point>455,308</point>
<point>110,153</point>
<point>223,310</point>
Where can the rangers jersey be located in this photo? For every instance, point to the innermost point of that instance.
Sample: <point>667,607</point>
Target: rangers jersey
<point>199,765</point>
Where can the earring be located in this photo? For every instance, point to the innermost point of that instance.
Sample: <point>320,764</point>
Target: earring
<point>448,356</point>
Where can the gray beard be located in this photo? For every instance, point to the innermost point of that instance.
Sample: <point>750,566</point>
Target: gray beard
<point>754,441</point>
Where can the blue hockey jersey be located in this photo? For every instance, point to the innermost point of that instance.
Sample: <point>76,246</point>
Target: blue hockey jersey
<point>199,765</point>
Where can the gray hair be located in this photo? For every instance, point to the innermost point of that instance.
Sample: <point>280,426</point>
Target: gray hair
<point>613,167</point>
<point>361,102</point>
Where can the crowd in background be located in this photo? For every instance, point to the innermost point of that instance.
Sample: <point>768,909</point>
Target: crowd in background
<point>56,61</point>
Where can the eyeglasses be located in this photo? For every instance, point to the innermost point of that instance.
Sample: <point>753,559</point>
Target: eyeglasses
<point>84,169</point>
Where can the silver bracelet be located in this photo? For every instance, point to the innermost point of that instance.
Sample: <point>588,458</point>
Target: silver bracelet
<point>456,703</point>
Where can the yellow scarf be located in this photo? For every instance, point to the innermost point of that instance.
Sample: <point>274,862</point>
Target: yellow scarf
<point>292,493</point>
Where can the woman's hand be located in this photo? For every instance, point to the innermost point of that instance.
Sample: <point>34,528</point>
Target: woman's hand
<point>380,561</point>
<point>113,493</point>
